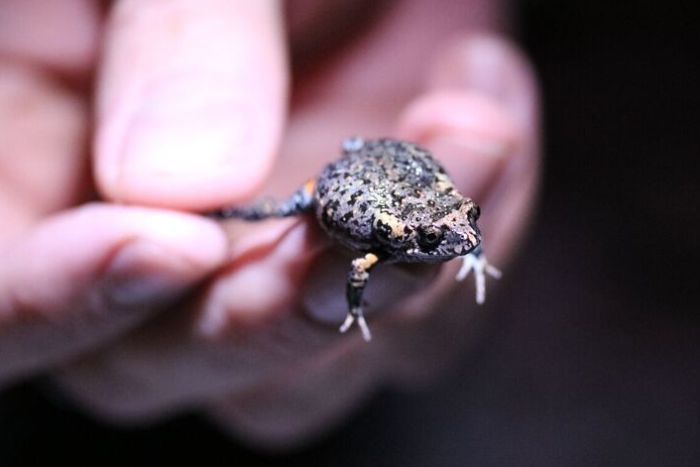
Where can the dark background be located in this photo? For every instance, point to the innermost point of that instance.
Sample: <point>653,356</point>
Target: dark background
<point>592,357</point>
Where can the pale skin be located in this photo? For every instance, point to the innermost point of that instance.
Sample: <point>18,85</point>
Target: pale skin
<point>140,307</point>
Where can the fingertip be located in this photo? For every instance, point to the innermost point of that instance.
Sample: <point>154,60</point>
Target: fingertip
<point>482,82</point>
<point>60,265</point>
<point>479,84</point>
<point>491,65</point>
<point>199,240</point>
<point>192,143</point>
<point>190,116</point>
<point>469,132</point>
<point>462,114</point>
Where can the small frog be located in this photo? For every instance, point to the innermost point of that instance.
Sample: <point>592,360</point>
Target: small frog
<point>390,201</point>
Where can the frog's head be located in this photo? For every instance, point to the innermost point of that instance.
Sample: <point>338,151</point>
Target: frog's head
<point>429,239</point>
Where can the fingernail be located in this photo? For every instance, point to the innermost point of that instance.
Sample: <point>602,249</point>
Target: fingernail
<point>468,132</point>
<point>476,113</point>
<point>489,65</point>
<point>474,161</point>
<point>187,137</point>
<point>142,273</point>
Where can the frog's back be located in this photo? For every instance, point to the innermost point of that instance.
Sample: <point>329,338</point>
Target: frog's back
<point>376,176</point>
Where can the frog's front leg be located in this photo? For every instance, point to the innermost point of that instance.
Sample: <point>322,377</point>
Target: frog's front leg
<point>476,260</point>
<point>301,201</point>
<point>357,279</point>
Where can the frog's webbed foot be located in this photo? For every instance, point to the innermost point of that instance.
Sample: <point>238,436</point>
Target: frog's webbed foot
<point>301,201</point>
<point>357,280</point>
<point>476,261</point>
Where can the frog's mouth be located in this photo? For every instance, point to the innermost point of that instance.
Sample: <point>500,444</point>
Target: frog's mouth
<point>440,254</point>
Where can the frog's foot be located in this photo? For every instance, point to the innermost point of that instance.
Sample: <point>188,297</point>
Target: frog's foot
<point>356,315</point>
<point>476,261</point>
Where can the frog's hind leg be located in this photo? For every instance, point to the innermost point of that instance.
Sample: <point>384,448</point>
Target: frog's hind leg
<point>357,280</point>
<point>300,202</point>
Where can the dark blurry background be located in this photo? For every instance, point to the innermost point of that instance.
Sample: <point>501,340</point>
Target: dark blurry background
<point>592,354</point>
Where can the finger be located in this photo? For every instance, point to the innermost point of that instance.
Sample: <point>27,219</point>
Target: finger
<point>480,117</point>
<point>42,147</point>
<point>190,101</point>
<point>245,330</point>
<point>60,34</point>
<point>84,276</point>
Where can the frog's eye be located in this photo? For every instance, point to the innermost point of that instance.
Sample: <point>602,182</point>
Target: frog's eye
<point>475,212</point>
<point>429,237</point>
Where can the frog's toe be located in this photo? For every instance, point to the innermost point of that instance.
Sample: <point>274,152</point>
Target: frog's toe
<point>356,315</point>
<point>477,262</point>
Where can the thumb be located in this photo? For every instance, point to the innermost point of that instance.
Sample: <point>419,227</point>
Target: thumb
<point>190,101</point>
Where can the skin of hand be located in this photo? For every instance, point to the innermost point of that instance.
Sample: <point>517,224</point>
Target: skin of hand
<point>140,308</point>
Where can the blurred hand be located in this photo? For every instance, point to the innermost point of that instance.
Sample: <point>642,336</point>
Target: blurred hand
<point>191,114</point>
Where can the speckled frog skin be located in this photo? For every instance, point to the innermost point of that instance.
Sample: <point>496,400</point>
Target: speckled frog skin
<point>389,201</point>
<point>393,199</point>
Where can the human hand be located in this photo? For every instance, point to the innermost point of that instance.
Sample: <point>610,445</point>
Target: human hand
<point>73,275</point>
<point>181,79</point>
